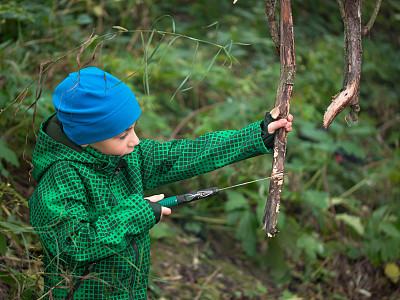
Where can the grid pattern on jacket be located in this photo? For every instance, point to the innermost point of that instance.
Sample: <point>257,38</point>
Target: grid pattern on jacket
<point>89,212</point>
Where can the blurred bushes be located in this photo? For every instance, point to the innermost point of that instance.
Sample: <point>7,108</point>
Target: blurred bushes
<point>341,194</point>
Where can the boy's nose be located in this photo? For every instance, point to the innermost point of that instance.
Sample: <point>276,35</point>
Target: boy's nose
<point>134,141</point>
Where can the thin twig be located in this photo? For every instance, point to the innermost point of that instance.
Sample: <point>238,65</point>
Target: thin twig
<point>327,191</point>
<point>19,285</point>
<point>190,116</point>
<point>371,21</point>
<point>385,126</point>
<point>381,142</point>
<point>51,289</point>
<point>22,260</point>
<point>200,219</point>
<point>207,282</point>
<point>375,164</point>
<point>144,21</point>
<point>353,188</point>
<point>28,43</point>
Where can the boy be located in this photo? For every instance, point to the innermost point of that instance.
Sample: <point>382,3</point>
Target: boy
<point>91,168</point>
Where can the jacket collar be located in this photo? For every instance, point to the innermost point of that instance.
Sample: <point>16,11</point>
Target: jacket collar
<point>106,160</point>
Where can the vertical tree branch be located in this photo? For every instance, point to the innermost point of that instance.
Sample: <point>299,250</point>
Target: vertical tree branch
<point>281,110</point>
<point>348,97</point>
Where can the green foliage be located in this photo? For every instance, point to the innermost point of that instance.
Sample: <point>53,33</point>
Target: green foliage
<point>383,241</point>
<point>15,237</point>
<point>196,69</point>
<point>8,156</point>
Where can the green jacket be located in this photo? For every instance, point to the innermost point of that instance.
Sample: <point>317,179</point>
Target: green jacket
<point>89,212</point>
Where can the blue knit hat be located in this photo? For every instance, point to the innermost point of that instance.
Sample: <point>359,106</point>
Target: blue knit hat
<point>94,106</point>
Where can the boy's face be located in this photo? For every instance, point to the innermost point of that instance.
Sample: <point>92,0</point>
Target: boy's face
<point>121,144</point>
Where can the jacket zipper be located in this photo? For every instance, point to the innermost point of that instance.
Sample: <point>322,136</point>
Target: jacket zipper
<point>116,172</point>
<point>136,270</point>
<point>91,266</point>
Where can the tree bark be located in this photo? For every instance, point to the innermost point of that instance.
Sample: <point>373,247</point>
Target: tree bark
<point>281,110</point>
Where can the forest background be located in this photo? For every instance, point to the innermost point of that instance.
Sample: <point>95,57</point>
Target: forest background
<point>199,66</point>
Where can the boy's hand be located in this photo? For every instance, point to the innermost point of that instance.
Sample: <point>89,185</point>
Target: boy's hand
<point>287,123</point>
<point>164,210</point>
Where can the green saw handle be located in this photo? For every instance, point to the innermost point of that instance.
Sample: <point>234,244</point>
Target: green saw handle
<point>169,202</point>
<point>189,197</point>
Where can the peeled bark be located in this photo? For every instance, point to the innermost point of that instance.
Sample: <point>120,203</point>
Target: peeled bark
<point>281,110</point>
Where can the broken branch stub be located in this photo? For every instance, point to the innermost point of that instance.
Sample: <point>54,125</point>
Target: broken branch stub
<point>341,101</point>
<point>281,110</point>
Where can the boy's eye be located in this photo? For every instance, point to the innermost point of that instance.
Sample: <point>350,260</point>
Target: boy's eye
<point>122,137</point>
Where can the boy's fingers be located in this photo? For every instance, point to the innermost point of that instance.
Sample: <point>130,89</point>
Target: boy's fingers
<point>287,123</point>
<point>165,211</point>
<point>276,125</point>
<point>155,198</point>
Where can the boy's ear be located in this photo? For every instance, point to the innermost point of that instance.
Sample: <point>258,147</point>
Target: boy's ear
<point>85,145</point>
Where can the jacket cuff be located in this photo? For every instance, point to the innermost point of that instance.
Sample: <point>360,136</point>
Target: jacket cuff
<point>267,137</point>
<point>156,209</point>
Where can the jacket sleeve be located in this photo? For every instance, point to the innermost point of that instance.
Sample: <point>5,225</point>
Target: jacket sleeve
<point>71,230</point>
<point>180,159</point>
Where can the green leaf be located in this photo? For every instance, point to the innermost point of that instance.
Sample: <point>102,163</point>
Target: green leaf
<point>16,228</point>
<point>389,229</point>
<point>246,233</point>
<point>276,261</point>
<point>288,295</point>
<point>236,201</point>
<point>352,221</point>
<point>162,230</point>
<point>3,244</point>
<point>317,201</point>
<point>352,148</point>
<point>6,278</point>
<point>353,252</point>
<point>12,11</point>
<point>390,249</point>
<point>262,288</point>
<point>233,216</point>
<point>193,227</point>
<point>7,154</point>
<point>311,246</point>
<point>84,19</point>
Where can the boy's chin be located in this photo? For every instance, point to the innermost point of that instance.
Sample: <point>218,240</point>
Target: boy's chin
<point>126,153</point>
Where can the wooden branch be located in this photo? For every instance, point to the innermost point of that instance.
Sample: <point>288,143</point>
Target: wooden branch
<point>352,66</point>
<point>340,102</point>
<point>281,110</point>
<point>367,28</point>
<point>341,10</point>
<point>270,11</point>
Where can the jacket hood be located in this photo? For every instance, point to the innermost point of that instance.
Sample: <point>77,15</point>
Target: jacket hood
<point>53,145</point>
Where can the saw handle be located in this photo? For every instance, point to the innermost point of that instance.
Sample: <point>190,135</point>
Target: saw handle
<point>189,197</point>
